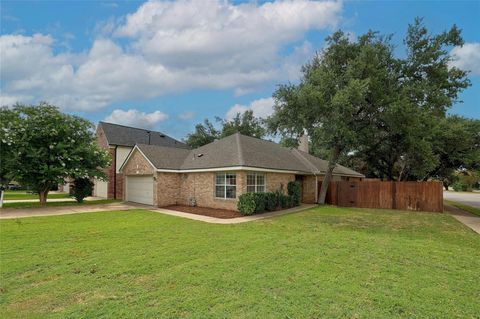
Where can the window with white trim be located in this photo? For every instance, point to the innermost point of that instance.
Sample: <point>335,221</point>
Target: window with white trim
<point>255,182</point>
<point>226,185</point>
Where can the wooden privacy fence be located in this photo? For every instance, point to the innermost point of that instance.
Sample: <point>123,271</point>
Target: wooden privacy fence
<point>420,196</point>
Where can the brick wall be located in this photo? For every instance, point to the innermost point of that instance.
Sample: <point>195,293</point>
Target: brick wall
<point>278,181</point>
<point>167,189</point>
<point>308,189</point>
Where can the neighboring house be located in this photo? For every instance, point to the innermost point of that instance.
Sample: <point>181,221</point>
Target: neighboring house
<point>216,174</point>
<point>119,140</point>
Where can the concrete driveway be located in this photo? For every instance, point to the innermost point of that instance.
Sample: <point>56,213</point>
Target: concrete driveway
<point>471,199</point>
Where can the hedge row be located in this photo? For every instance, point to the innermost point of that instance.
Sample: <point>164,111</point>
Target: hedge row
<point>255,203</point>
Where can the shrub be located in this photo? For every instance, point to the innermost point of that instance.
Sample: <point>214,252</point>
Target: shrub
<point>82,188</point>
<point>283,200</point>
<point>259,202</point>
<point>295,191</point>
<point>271,201</point>
<point>246,204</point>
<point>460,187</point>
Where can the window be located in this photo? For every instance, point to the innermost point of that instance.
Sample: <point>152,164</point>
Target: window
<point>255,182</point>
<point>226,185</point>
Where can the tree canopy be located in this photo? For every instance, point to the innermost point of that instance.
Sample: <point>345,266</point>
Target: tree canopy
<point>245,123</point>
<point>47,146</point>
<point>358,101</point>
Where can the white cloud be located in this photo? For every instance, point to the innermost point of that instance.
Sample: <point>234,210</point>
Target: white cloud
<point>261,108</point>
<point>136,118</point>
<point>185,116</point>
<point>167,47</point>
<point>467,57</point>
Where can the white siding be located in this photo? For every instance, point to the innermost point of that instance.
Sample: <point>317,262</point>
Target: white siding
<point>122,153</point>
<point>100,188</point>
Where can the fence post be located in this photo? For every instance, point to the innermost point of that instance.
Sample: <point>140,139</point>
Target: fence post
<point>394,195</point>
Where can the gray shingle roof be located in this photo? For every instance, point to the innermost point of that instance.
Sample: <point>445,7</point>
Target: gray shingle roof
<point>129,136</point>
<point>239,150</point>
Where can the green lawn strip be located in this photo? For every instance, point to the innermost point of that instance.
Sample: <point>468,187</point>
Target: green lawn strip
<point>467,208</point>
<point>56,204</point>
<point>18,195</point>
<point>325,262</point>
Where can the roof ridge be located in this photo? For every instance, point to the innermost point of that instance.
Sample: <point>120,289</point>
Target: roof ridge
<point>136,128</point>
<point>300,155</point>
<point>239,148</point>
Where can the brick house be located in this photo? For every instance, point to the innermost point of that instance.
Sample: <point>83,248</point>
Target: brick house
<point>119,140</point>
<point>216,174</point>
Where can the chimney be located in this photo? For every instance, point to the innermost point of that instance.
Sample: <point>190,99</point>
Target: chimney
<point>303,143</point>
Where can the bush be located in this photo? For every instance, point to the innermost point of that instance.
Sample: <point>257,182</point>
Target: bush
<point>271,201</point>
<point>259,202</point>
<point>82,188</point>
<point>295,191</point>
<point>460,187</point>
<point>246,204</point>
<point>283,200</point>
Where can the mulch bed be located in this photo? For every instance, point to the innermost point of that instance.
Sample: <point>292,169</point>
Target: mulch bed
<point>211,212</point>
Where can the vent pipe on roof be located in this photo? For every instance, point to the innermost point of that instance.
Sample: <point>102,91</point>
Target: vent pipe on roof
<point>148,132</point>
<point>303,143</point>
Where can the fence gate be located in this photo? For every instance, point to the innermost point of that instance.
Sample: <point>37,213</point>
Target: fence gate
<point>347,194</point>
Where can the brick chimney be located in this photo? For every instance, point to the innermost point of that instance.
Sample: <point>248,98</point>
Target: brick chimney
<point>303,143</point>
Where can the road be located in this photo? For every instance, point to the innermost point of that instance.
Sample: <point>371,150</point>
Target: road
<point>471,199</point>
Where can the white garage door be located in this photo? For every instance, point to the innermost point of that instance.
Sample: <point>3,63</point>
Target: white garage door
<point>140,189</point>
<point>101,188</point>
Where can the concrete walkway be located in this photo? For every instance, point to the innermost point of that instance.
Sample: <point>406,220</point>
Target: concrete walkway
<point>238,220</point>
<point>49,200</point>
<point>470,220</point>
<point>467,198</point>
<point>13,213</point>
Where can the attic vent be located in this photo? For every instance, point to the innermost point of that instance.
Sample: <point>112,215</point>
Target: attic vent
<point>162,135</point>
<point>200,155</point>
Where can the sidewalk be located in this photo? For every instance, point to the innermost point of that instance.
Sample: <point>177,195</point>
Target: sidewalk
<point>238,220</point>
<point>49,200</point>
<point>12,213</point>
<point>470,220</point>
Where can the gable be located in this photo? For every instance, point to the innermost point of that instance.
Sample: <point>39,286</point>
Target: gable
<point>137,164</point>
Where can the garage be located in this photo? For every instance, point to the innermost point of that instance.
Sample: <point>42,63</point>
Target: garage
<point>139,189</point>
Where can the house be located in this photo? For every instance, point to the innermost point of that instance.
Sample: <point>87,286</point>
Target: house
<point>216,174</point>
<point>119,140</point>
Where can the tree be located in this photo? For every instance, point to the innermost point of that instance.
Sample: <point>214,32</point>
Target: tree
<point>82,188</point>
<point>50,146</point>
<point>334,100</point>
<point>457,146</point>
<point>360,103</point>
<point>244,123</point>
<point>9,123</point>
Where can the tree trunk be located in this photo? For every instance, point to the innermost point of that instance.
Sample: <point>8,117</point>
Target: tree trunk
<point>43,197</point>
<point>446,184</point>
<point>328,176</point>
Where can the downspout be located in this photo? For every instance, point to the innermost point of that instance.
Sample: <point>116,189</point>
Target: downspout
<point>115,174</point>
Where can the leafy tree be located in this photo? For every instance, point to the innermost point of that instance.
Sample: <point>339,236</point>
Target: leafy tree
<point>204,133</point>
<point>9,123</point>
<point>358,102</point>
<point>244,123</point>
<point>50,146</point>
<point>457,146</point>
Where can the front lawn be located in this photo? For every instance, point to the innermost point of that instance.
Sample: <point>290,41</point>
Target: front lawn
<point>325,262</point>
<point>18,195</point>
<point>22,205</point>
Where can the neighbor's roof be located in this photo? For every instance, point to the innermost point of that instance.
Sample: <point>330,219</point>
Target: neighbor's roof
<point>129,136</point>
<point>239,150</point>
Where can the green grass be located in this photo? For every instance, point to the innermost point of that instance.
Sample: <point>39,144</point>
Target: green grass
<point>467,208</point>
<point>57,204</point>
<point>18,195</point>
<point>322,263</point>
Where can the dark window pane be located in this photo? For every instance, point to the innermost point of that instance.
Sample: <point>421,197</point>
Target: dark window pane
<point>220,191</point>
<point>251,179</point>
<point>260,189</point>
<point>260,179</point>
<point>251,189</point>
<point>220,179</point>
<point>231,179</point>
<point>231,192</point>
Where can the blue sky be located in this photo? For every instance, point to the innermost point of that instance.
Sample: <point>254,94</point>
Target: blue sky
<point>169,65</point>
